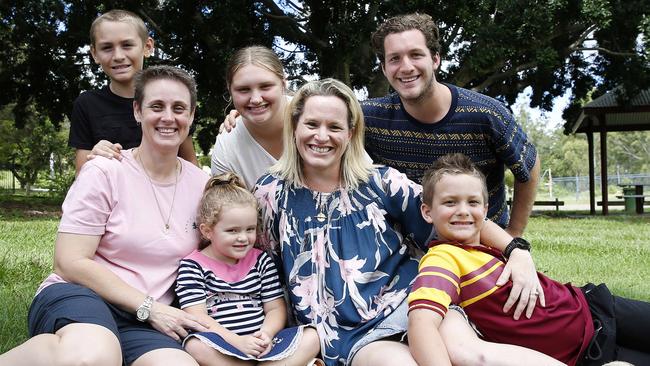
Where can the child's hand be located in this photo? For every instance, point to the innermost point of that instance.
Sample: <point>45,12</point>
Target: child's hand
<point>250,345</point>
<point>106,149</point>
<point>268,341</point>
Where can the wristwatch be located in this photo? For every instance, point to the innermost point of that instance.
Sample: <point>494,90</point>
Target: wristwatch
<point>519,243</point>
<point>144,310</point>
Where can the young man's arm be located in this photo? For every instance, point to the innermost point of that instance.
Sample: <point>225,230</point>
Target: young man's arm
<point>520,268</point>
<point>522,202</point>
<point>425,342</point>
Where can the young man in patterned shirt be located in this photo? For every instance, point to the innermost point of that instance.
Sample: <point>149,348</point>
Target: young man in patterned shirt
<point>425,119</point>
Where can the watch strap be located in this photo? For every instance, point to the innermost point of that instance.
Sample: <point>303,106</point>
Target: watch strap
<point>514,244</point>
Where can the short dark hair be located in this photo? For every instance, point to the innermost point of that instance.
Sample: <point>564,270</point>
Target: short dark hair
<point>402,23</point>
<point>164,72</point>
<point>450,164</point>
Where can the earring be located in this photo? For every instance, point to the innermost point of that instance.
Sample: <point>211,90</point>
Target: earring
<point>138,123</point>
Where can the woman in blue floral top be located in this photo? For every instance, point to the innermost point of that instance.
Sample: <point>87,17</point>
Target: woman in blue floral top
<point>348,233</point>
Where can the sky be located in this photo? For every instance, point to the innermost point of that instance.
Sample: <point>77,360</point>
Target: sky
<point>554,116</point>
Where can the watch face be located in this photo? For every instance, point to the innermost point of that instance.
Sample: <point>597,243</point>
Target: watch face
<point>142,314</point>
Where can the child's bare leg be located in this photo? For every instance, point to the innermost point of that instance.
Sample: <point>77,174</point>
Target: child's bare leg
<point>467,349</point>
<point>307,349</point>
<point>208,356</point>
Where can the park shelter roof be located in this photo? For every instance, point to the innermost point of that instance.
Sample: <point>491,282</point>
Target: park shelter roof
<point>633,116</point>
<point>605,114</point>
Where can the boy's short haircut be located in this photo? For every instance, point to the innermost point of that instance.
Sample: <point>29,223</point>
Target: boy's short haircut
<point>118,15</point>
<point>402,23</point>
<point>163,72</point>
<point>450,164</point>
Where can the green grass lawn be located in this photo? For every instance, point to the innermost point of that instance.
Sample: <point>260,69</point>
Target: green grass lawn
<point>615,250</point>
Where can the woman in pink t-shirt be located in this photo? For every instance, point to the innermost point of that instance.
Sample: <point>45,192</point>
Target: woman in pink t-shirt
<point>124,229</point>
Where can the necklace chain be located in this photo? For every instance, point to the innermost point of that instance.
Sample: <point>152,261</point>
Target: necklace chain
<point>322,198</point>
<point>322,206</point>
<point>162,216</point>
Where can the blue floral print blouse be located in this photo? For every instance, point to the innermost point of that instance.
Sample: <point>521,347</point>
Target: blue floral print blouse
<point>348,257</point>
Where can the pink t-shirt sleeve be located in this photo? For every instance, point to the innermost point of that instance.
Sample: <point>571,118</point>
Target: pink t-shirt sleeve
<point>88,204</point>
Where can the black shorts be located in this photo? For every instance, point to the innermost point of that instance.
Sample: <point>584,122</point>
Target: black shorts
<point>61,304</point>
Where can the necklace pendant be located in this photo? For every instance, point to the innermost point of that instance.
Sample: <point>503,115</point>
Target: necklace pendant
<point>166,230</point>
<point>321,217</point>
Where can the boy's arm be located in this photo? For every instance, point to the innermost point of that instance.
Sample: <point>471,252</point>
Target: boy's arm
<point>186,151</point>
<point>80,158</point>
<point>520,268</point>
<point>425,342</point>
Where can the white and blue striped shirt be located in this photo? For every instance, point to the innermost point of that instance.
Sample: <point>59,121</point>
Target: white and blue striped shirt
<point>233,294</point>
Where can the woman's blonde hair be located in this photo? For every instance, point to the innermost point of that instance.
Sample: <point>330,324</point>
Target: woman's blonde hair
<point>355,167</point>
<point>259,56</point>
<point>223,190</point>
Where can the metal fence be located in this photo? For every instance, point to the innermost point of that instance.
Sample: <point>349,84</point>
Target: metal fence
<point>8,181</point>
<point>561,186</point>
<point>579,186</point>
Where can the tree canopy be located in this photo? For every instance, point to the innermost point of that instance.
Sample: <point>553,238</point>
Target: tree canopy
<point>495,47</point>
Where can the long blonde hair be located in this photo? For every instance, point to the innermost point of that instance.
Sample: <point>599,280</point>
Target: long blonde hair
<point>355,168</point>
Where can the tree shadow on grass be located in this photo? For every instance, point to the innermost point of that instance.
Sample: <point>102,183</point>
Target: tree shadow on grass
<point>16,206</point>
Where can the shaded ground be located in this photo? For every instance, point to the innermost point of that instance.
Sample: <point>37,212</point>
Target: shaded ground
<point>21,206</point>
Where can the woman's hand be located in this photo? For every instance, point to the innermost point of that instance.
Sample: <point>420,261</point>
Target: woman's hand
<point>106,149</point>
<point>249,345</point>
<point>174,322</point>
<point>525,283</point>
<point>230,122</point>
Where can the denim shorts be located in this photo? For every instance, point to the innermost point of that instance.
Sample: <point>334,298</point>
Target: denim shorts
<point>61,304</point>
<point>392,328</point>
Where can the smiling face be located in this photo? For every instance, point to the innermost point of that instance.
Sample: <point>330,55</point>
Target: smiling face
<point>120,51</point>
<point>166,113</point>
<point>233,235</point>
<point>322,135</point>
<point>458,208</point>
<point>409,65</point>
<point>257,94</point>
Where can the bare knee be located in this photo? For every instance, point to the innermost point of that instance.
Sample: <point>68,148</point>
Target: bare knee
<point>380,353</point>
<point>310,342</point>
<point>87,357</point>
<point>84,344</point>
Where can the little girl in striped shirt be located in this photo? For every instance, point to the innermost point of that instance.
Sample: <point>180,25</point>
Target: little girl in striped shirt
<point>235,287</point>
